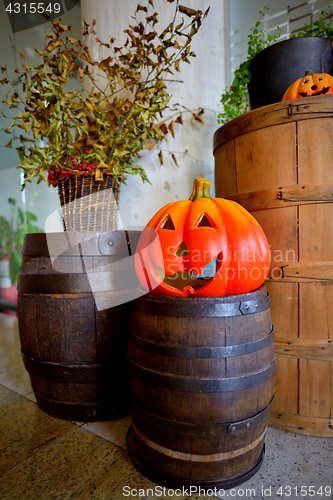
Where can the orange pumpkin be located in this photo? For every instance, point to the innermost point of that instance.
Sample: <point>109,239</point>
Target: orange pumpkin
<point>310,85</point>
<point>187,237</point>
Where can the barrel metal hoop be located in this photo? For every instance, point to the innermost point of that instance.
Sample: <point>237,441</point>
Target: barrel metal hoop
<point>75,282</point>
<point>196,429</point>
<point>202,352</point>
<point>93,243</point>
<point>207,309</point>
<point>85,412</point>
<point>72,373</point>
<point>198,385</point>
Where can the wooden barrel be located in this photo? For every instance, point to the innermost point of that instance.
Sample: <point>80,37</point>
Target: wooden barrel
<point>201,376</point>
<point>74,342</point>
<point>276,161</point>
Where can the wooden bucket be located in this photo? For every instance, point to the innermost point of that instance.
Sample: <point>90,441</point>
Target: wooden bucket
<point>276,161</point>
<point>75,353</point>
<point>201,376</point>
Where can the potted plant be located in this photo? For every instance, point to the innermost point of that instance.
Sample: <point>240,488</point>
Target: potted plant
<point>84,141</point>
<point>12,233</point>
<point>271,67</point>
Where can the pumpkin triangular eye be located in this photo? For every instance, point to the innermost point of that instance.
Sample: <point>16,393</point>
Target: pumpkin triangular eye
<point>168,224</point>
<point>182,250</point>
<point>204,222</point>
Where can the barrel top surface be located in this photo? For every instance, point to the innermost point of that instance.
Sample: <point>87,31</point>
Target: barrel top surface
<point>76,243</point>
<point>230,305</point>
<point>274,114</point>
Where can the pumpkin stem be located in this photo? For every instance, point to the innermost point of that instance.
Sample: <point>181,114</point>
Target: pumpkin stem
<point>201,189</point>
<point>309,72</point>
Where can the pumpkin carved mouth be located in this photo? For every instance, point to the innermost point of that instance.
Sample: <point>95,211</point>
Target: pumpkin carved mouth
<point>321,92</point>
<point>187,280</point>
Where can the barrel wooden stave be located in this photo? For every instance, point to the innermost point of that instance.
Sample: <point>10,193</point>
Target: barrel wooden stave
<point>74,353</point>
<point>202,413</point>
<point>275,161</point>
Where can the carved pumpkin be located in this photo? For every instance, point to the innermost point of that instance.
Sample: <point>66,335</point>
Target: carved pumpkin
<point>187,237</point>
<point>310,85</point>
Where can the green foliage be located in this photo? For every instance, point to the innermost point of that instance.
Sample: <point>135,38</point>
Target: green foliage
<point>234,99</point>
<point>110,125</point>
<point>12,234</point>
<point>323,27</point>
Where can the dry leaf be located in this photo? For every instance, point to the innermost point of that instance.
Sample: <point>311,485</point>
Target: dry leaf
<point>186,10</point>
<point>174,159</point>
<point>197,118</point>
<point>160,156</point>
<point>179,119</point>
<point>171,129</point>
<point>150,145</point>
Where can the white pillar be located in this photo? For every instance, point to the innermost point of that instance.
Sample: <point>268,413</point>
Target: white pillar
<point>204,80</point>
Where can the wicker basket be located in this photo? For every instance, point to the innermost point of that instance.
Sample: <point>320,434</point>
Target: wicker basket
<point>89,205</point>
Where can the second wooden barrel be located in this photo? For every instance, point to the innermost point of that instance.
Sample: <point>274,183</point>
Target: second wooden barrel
<point>276,162</point>
<point>201,376</point>
<point>73,341</point>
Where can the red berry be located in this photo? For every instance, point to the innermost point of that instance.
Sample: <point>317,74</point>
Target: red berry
<point>74,163</point>
<point>86,173</point>
<point>72,157</point>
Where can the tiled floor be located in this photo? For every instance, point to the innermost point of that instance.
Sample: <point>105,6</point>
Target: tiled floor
<point>45,458</point>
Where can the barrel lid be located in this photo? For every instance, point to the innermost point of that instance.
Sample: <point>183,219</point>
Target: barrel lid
<point>76,243</point>
<point>274,114</point>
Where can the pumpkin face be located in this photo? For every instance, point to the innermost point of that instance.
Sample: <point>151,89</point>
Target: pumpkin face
<point>310,85</point>
<point>187,238</point>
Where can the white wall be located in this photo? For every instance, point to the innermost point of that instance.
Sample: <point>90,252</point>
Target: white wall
<point>204,80</point>
<point>39,199</point>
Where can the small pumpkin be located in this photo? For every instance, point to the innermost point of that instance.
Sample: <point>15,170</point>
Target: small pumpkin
<point>185,237</point>
<point>310,85</point>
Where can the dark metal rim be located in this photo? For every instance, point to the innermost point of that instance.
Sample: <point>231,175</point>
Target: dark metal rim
<point>190,384</point>
<point>75,373</point>
<point>232,305</point>
<point>84,412</point>
<point>63,283</point>
<point>124,243</point>
<point>173,483</point>
<point>203,352</point>
<point>233,428</point>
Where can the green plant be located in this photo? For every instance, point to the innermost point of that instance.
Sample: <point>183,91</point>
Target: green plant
<point>100,131</point>
<point>323,27</point>
<point>234,99</point>
<point>12,234</point>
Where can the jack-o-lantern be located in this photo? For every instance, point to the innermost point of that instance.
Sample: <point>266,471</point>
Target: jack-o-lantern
<point>186,238</point>
<point>310,85</point>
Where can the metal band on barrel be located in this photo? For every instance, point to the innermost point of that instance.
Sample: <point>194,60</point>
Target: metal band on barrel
<point>72,373</point>
<point>211,307</point>
<point>203,352</point>
<point>190,384</point>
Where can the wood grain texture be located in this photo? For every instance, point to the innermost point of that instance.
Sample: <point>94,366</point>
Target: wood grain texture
<point>175,395</point>
<point>225,175</point>
<point>282,113</point>
<point>279,197</point>
<point>320,427</point>
<point>266,158</point>
<point>74,352</point>
<point>284,178</point>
